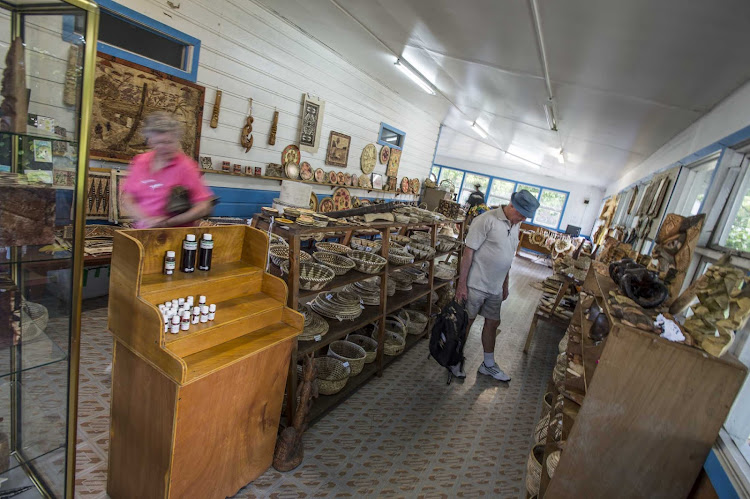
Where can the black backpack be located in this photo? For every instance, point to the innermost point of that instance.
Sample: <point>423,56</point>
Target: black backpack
<point>449,335</point>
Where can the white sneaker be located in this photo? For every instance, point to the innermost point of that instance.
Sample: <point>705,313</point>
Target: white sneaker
<point>457,371</point>
<point>494,371</point>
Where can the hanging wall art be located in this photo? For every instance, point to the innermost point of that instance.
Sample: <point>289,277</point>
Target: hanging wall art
<point>393,163</point>
<point>125,93</point>
<point>312,123</point>
<point>338,149</point>
<point>368,159</point>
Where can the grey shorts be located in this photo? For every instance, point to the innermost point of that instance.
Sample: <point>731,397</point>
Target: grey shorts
<point>485,304</point>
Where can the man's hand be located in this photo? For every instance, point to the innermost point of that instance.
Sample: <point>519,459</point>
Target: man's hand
<point>151,222</point>
<point>505,290</point>
<point>462,292</point>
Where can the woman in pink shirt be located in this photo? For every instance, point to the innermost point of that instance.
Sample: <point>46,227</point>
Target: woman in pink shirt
<point>152,176</point>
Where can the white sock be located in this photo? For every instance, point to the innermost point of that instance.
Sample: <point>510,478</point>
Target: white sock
<point>489,359</point>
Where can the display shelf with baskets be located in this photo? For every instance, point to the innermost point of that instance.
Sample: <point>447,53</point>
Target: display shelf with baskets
<point>615,414</point>
<point>325,403</point>
<point>294,233</point>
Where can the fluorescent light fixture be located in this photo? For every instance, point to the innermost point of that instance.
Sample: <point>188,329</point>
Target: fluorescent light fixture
<point>415,76</point>
<point>561,157</point>
<point>549,113</point>
<point>478,130</point>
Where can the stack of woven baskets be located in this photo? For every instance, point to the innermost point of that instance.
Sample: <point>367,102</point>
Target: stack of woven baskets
<point>421,251</point>
<point>369,345</point>
<point>444,272</point>
<point>332,374</point>
<point>334,261</point>
<point>417,322</point>
<point>368,263</point>
<point>350,353</point>
<point>314,326</point>
<point>359,244</point>
<point>338,305</point>
<point>402,280</point>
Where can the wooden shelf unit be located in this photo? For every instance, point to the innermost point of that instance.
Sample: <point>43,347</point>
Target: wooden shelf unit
<point>651,412</point>
<point>371,314</point>
<point>195,414</point>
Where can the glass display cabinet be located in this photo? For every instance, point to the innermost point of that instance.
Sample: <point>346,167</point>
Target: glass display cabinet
<point>47,52</point>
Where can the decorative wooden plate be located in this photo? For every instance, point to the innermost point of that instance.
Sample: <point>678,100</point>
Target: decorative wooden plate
<point>326,205</point>
<point>347,179</point>
<point>305,171</point>
<point>292,170</point>
<point>320,175</point>
<point>385,154</point>
<point>414,183</point>
<point>290,153</point>
<point>313,202</point>
<point>332,177</point>
<point>368,159</point>
<point>364,182</point>
<point>355,180</point>
<point>340,178</point>
<point>342,200</point>
<point>405,185</point>
<point>364,202</point>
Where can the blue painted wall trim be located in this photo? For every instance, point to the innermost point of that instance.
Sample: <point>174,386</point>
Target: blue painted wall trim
<point>394,130</point>
<point>719,478</point>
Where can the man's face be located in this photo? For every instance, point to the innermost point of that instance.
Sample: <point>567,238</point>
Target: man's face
<point>514,216</point>
<point>165,145</point>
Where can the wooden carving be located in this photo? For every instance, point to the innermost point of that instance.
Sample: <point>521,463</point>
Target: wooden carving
<point>289,450</point>
<point>674,249</point>
<point>217,107</point>
<point>613,250</point>
<point>72,76</point>
<point>274,127</point>
<point>15,105</point>
<point>246,139</point>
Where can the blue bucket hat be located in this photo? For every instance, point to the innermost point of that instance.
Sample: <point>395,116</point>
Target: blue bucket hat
<point>525,203</point>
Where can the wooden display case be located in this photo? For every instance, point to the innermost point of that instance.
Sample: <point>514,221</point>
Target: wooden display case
<point>195,414</point>
<point>371,314</point>
<point>651,411</point>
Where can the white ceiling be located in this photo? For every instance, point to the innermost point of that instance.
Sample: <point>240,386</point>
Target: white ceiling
<point>626,76</point>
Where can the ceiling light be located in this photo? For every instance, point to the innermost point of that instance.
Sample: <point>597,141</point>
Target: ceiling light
<point>561,157</point>
<point>549,113</point>
<point>415,76</point>
<point>478,130</point>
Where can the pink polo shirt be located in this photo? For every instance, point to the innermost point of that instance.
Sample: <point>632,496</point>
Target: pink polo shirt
<point>150,189</point>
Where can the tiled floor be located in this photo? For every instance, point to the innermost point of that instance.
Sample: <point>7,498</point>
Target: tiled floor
<point>407,434</point>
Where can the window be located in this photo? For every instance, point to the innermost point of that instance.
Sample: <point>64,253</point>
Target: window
<point>532,189</point>
<point>699,177</point>
<point>130,35</point>
<point>391,137</point>
<point>500,192</point>
<point>551,206</point>
<point>455,176</point>
<point>735,233</point>
<point>435,171</point>
<point>469,181</point>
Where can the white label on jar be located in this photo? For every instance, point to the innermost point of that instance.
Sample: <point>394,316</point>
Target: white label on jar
<point>190,245</point>
<point>170,265</point>
<point>318,337</point>
<point>207,244</point>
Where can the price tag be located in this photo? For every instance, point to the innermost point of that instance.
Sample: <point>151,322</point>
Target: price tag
<point>361,306</point>
<point>345,364</point>
<point>329,296</point>
<point>368,248</point>
<point>317,337</point>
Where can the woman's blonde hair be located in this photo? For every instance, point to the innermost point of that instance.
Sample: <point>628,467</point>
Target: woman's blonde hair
<point>161,122</point>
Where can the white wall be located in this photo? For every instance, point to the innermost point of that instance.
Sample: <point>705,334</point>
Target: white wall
<point>729,116</point>
<point>247,52</point>
<point>576,212</point>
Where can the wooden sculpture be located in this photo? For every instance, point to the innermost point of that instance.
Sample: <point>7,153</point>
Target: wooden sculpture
<point>72,76</point>
<point>723,307</point>
<point>274,127</point>
<point>215,114</point>
<point>674,249</point>
<point>246,139</point>
<point>613,250</point>
<point>289,448</point>
<point>14,108</point>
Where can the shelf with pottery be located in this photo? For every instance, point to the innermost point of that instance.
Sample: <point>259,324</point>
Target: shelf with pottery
<point>371,313</point>
<point>628,433</point>
<point>217,375</point>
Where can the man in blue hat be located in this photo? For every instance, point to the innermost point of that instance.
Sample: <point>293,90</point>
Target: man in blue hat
<point>483,283</point>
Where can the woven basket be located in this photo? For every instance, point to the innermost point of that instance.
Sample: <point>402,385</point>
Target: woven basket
<point>368,263</point>
<point>394,344</point>
<point>369,345</point>
<point>563,345</point>
<point>274,240</point>
<point>280,254</point>
<point>552,461</point>
<point>534,469</point>
<point>332,375</point>
<point>314,276</point>
<point>333,248</point>
<point>540,432</point>
<point>400,257</point>
<point>445,243</point>
<point>395,325</point>
<point>349,352</point>
<point>34,319</point>
<point>421,237</point>
<point>316,326</point>
<point>547,402</point>
<point>402,240</point>
<point>403,316</point>
<point>420,251</point>
<point>338,263</point>
<point>417,322</point>
<point>359,244</point>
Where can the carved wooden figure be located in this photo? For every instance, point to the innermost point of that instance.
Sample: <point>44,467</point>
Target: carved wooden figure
<point>14,108</point>
<point>246,139</point>
<point>274,127</point>
<point>289,448</point>
<point>674,248</point>
<point>215,113</point>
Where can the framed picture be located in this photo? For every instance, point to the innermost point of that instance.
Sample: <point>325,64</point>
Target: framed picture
<point>377,181</point>
<point>125,93</point>
<point>338,149</point>
<point>393,163</point>
<point>312,123</point>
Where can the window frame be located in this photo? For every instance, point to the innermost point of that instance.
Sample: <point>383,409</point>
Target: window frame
<point>562,211</point>
<point>463,183</point>
<point>192,45</point>
<point>740,185</point>
<point>492,181</point>
<point>386,126</point>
